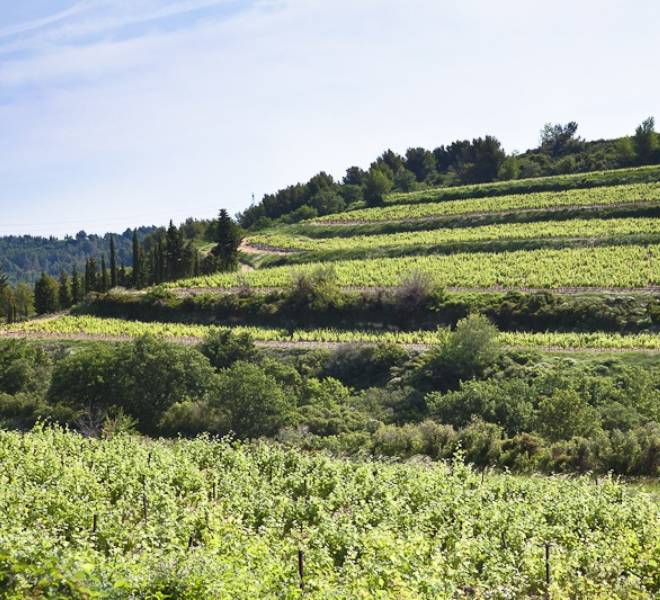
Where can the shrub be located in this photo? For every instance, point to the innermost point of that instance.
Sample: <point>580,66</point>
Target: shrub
<point>224,347</point>
<point>254,402</point>
<point>316,291</point>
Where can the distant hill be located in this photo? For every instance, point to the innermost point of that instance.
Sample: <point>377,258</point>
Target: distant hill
<point>25,257</point>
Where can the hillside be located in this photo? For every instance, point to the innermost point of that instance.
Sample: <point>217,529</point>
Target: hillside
<point>25,257</point>
<point>410,370</point>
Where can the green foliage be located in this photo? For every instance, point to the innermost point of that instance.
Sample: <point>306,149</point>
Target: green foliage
<point>377,184</point>
<point>143,379</point>
<point>46,295</point>
<point>467,353</point>
<point>23,367</point>
<point>225,347</point>
<point>645,141</point>
<point>124,517</point>
<point>316,290</point>
<point>254,403</point>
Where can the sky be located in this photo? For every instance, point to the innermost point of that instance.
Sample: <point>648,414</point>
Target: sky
<point>119,113</point>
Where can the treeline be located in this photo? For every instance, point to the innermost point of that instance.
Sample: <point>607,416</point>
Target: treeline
<point>506,409</point>
<point>480,160</point>
<point>163,255</point>
<point>173,253</point>
<point>25,258</point>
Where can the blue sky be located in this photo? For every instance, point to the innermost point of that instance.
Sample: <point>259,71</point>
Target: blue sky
<point>115,113</point>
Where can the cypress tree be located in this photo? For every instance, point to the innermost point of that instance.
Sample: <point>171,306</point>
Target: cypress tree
<point>113,262</point>
<point>65,300</point>
<point>76,289</point>
<point>137,262</point>
<point>46,294</point>
<point>104,282</point>
<point>91,276</point>
<point>122,276</point>
<point>228,238</point>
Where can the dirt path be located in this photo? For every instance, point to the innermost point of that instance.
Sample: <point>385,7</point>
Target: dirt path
<point>296,345</point>
<point>262,249</point>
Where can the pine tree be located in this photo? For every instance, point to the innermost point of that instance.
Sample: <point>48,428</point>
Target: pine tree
<point>137,262</point>
<point>113,262</point>
<point>65,294</point>
<point>228,238</point>
<point>76,289</point>
<point>46,294</point>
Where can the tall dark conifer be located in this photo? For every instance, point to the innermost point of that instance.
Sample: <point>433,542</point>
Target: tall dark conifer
<point>65,300</point>
<point>76,289</point>
<point>228,237</point>
<point>137,262</point>
<point>113,263</point>
<point>104,280</point>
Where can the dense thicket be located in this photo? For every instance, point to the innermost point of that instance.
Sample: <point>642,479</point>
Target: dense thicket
<point>480,160</point>
<point>518,410</point>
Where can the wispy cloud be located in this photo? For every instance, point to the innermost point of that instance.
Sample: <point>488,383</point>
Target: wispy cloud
<point>179,106</point>
<point>74,10</point>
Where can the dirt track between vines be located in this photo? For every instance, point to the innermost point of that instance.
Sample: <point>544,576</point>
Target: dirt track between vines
<point>294,345</point>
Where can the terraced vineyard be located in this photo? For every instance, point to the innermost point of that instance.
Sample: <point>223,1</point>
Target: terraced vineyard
<point>647,174</point>
<point>118,328</point>
<point>630,266</point>
<point>577,228</point>
<point>619,195</point>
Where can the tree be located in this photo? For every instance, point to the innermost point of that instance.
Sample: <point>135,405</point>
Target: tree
<point>421,162</point>
<point>645,140</point>
<point>46,295</point>
<point>91,276</point>
<point>137,262</point>
<point>487,157</point>
<point>113,263</point>
<point>174,251</point>
<point>24,299</point>
<point>104,280</point>
<point>558,139</point>
<point>466,354</point>
<point>224,348</point>
<point>254,401</point>
<point>228,237</point>
<point>65,293</point>
<point>566,414</point>
<point>376,186</point>
<point>76,288</point>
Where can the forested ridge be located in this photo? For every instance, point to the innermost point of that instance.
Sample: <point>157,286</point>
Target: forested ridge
<point>26,257</point>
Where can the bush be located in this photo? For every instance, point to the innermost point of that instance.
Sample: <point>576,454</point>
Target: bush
<point>143,378</point>
<point>418,291</point>
<point>468,353</point>
<point>225,347</point>
<point>364,366</point>
<point>24,367</point>
<point>316,291</point>
<point>565,414</point>
<point>254,402</point>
